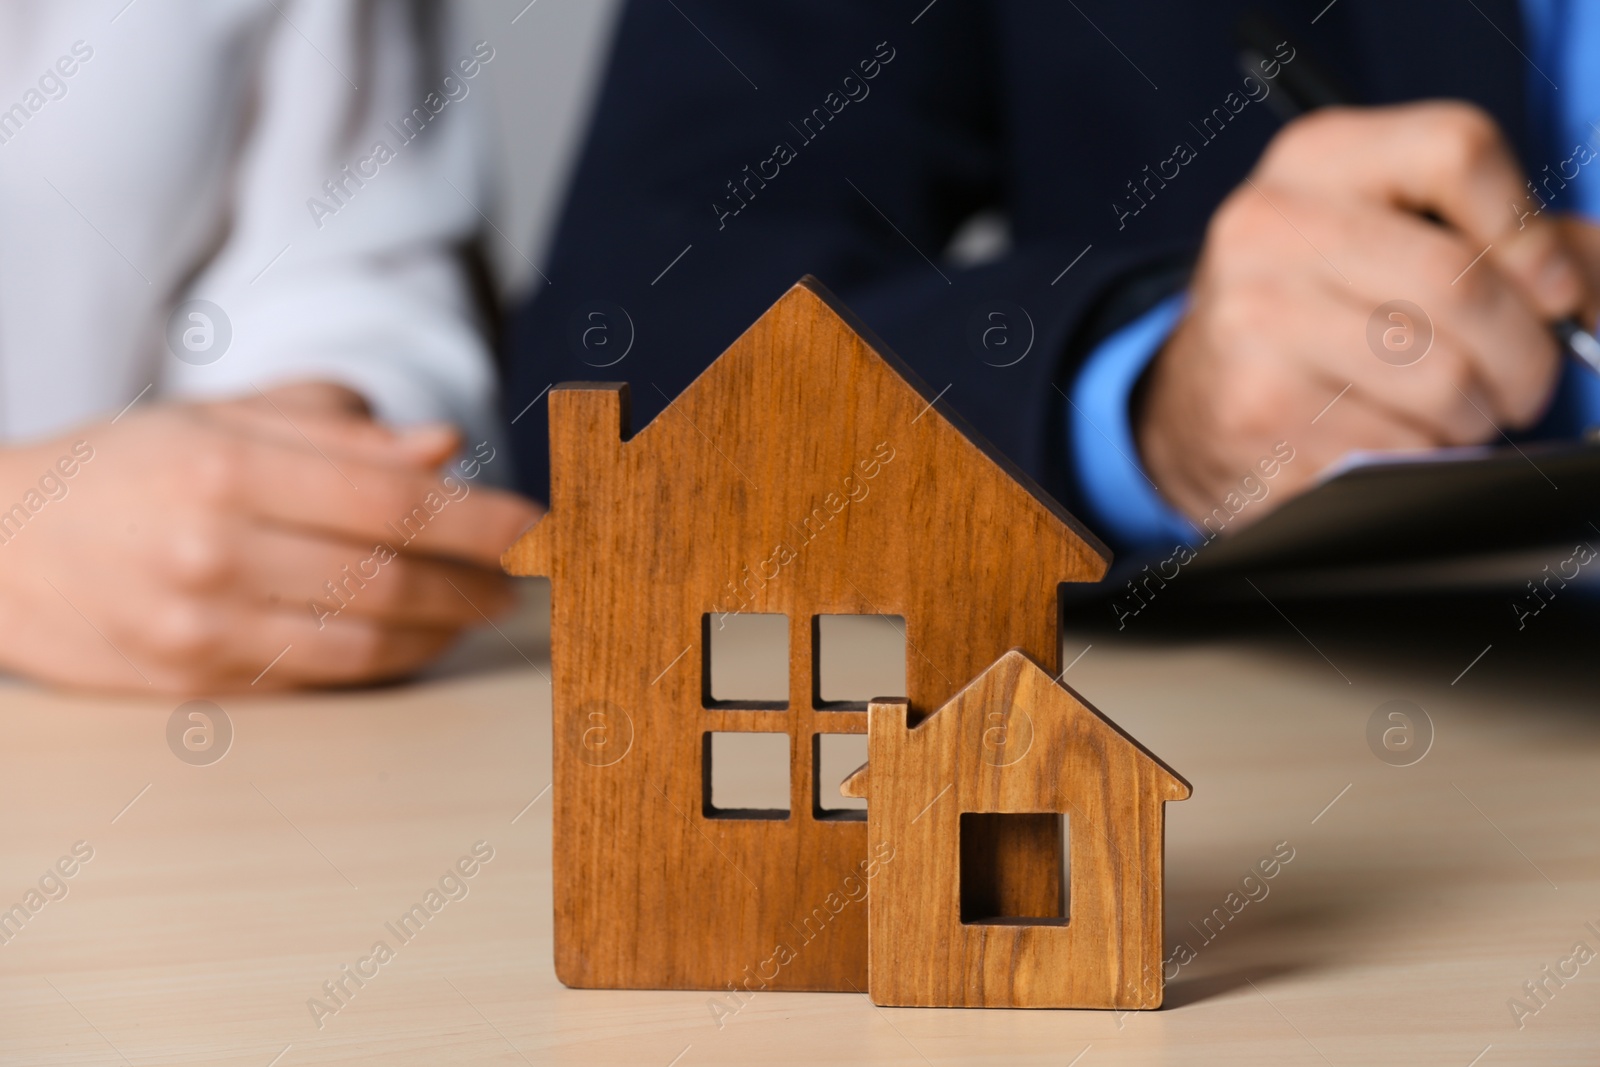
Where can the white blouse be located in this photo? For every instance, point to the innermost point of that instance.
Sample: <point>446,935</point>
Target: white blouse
<point>201,197</point>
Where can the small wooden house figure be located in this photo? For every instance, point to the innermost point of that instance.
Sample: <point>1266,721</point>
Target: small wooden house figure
<point>806,473</point>
<point>952,922</point>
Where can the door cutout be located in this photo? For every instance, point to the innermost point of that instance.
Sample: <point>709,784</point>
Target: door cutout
<point>1002,877</point>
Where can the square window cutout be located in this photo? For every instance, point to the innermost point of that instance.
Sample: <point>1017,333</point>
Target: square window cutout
<point>1005,879</point>
<point>857,658</point>
<point>834,757</point>
<point>745,660</point>
<point>745,775</point>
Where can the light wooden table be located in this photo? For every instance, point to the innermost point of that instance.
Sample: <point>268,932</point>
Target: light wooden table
<point>220,898</point>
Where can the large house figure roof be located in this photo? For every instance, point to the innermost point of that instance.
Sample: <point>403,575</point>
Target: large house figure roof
<point>761,378</point>
<point>806,473</point>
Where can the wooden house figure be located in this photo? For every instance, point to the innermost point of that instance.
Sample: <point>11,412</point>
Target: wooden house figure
<point>806,472</point>
<point>947,926</point>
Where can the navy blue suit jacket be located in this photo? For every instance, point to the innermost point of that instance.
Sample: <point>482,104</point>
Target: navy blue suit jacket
<point>737,146</point>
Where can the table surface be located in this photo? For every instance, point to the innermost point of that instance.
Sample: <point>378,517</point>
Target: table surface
<point>219,898</point>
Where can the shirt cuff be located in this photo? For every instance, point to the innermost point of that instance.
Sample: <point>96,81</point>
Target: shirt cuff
<point>1122,501</point>
<point>1585,385</point>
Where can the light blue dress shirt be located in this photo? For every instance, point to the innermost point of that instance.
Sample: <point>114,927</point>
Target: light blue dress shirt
<point>1123,502</point>
<point>1564,42</point>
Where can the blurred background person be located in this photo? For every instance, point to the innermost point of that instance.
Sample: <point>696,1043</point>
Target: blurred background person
<point>1089,230</point>
<point>240,339</point>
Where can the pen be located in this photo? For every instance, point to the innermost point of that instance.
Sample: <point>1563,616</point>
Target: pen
<point>1580,342</point>
<point>1303,87</point>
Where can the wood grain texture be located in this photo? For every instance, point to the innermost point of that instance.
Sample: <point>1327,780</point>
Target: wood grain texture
<point>212,909</point>
<point>807,471</point>
<point>946,927</point>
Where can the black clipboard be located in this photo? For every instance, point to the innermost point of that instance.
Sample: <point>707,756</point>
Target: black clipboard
<point>1423,507</point>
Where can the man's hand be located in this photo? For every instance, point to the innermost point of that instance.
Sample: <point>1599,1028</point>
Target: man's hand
<point>1331,225</point>
<point>193,544</point>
